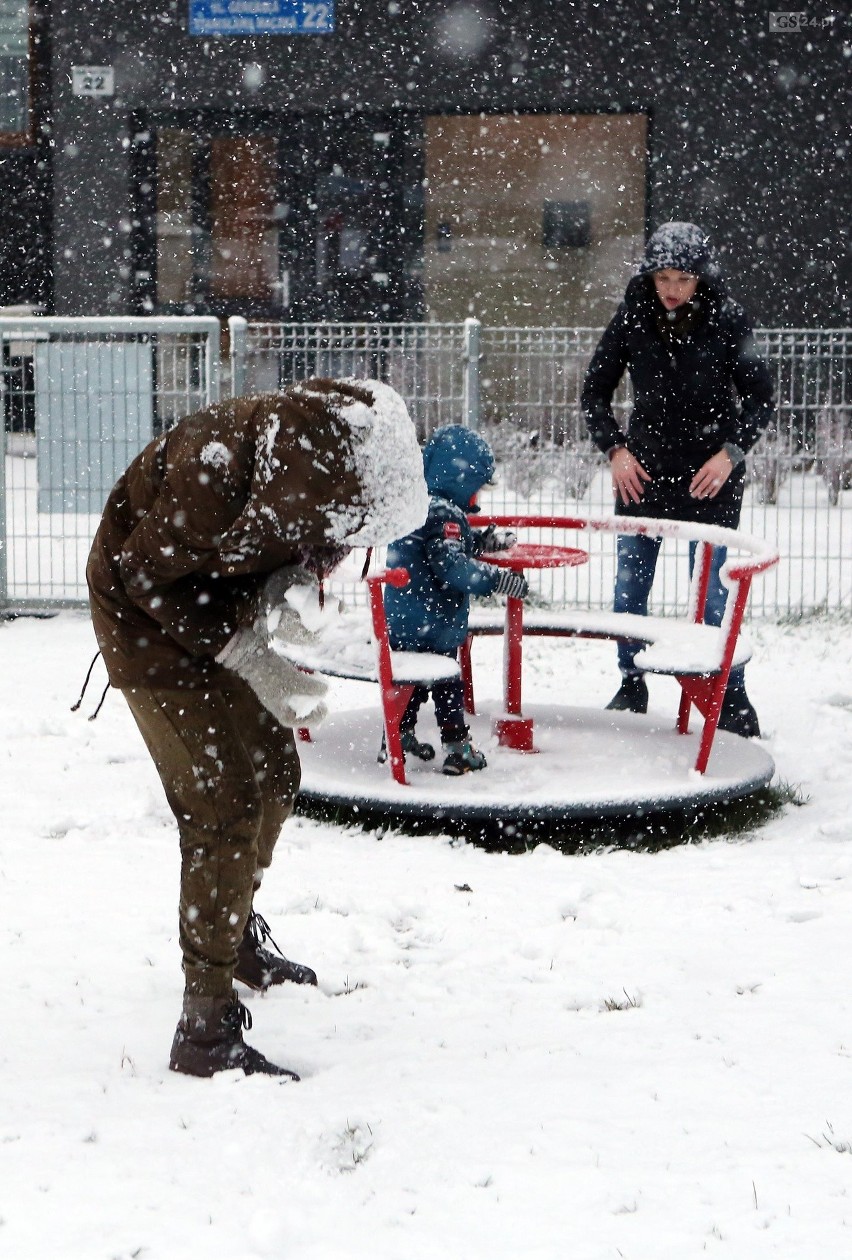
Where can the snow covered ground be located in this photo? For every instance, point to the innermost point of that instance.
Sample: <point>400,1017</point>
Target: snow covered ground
<point>622,1054</point>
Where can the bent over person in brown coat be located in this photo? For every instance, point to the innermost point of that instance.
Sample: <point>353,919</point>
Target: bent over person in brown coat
<point>199,542</point>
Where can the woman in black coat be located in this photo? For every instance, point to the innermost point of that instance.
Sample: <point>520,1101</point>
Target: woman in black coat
<point>702,398</point>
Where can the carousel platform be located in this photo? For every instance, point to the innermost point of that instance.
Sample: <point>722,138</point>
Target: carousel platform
<point>587,764</point>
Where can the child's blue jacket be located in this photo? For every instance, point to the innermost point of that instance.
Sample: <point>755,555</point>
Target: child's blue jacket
<point>430,613</point>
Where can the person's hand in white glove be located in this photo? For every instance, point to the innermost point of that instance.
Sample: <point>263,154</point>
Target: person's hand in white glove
<point>280,582</point>
<point>292,608</point>
<point>292,696</point>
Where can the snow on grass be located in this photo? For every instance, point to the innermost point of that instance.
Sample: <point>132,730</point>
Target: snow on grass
<point>533,1055</point>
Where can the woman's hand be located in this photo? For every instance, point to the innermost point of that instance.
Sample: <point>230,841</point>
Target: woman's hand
<point>710,478</point>
<point>627,476</point>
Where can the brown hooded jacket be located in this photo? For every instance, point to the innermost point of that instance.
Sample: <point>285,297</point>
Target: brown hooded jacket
<point>205,512</point>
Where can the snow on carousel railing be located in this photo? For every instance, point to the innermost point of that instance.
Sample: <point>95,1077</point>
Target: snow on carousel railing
<point>764,556</point>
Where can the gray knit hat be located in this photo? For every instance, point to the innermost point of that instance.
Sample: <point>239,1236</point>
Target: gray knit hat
<point>682,247</point>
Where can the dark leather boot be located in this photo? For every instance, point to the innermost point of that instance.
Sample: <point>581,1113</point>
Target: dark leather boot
<point>258,968</point>
<point>632,695</point>
<point>737,714</point>
<point>209,1039</point>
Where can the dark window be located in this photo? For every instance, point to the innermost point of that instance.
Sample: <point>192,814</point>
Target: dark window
<point>295,218</point>
<point>14,70</point>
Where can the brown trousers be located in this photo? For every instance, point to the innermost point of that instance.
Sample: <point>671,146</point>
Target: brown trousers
<point>231,773</point>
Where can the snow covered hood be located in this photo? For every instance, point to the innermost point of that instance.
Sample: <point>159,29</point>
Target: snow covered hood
<point>385,458</point>
<point>457,463</point>
<point>683,247</point>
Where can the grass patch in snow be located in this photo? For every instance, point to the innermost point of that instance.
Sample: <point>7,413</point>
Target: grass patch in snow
<point>353,1146</point>
<point>627,1003</point>
<point>813,614</point>
<point>830,1141</point>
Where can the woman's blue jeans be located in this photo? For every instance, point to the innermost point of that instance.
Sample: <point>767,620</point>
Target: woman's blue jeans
<point>637,562</point>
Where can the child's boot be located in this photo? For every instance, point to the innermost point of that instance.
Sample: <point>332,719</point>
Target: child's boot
<point>460,756</point>
<point>411,745</point>
<point>416,747</point>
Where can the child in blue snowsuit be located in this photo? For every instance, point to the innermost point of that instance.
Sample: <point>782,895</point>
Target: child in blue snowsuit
<point>430,614</point>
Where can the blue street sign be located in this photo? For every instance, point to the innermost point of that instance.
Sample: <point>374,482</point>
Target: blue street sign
<point>260,17</point>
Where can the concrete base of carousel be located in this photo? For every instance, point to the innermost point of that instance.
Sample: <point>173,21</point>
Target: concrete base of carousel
<point>588,764</point>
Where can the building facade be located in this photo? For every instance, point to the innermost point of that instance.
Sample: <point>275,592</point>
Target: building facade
<point>25,190</point>
<point>427,159</point>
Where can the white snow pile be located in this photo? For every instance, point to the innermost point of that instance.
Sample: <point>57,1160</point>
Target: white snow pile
<point>216,454</point>
<point>314,633</point>
<point>508,1057</point>
<point>318,616</point>
<point>388,464</point>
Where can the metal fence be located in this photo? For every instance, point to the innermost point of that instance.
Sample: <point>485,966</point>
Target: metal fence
<point>435,367</point>
<point>521,387</point>
<point>800,474</point>
<point>80,399</point>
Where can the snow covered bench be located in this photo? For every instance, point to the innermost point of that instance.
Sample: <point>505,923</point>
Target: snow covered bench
<point>699,656</point>
<point>673,646</point>
<point>366,657</point>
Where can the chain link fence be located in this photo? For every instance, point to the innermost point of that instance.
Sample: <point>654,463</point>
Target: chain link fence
<point>799,476</point>
<point>81,397</point>
<point>521,387</point>
<point>435,367</point>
